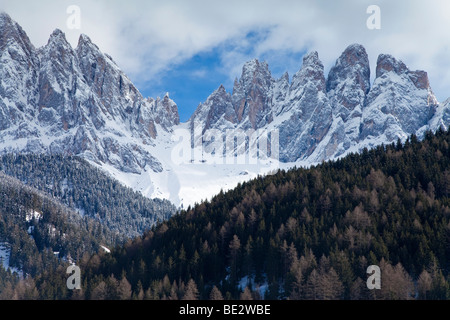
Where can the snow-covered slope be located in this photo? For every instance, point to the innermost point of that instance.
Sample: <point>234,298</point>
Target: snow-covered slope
<point>186,179</point>
<point>57,99</point>
<point>441,117</point>
<point>77,101</point>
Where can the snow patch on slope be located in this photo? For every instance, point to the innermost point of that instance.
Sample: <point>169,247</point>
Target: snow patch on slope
<point>5,253</point>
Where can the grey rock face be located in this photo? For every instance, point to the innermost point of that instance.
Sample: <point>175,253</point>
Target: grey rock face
<point>320,118</point>
<point>17,74</point>
<point>309,109</point>
<point>216,112</point>
<point>252,95</point>
<point>348,81</point>
<point>399,102</point>
<point>75,101</point>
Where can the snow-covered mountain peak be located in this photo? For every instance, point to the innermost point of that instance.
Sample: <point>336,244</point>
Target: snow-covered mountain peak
<point>387,63</point>
<point>221,89</point>
<point>58,51</point>
<point>6,23</point>
<point>255,74</point>
<point>354,55</point>
<point>253,67</point>
<point>353,64</point>
<point>75,101</point>
<point>312,59</point>
<point>355,49</point>
<point>85,42</point>
<point>399,103</point>
<point>3,15</point>
<point>311,73</point>
<point>251,95</point>
<point>348,83</point>
<point>312,70</point>
<point>218,94</point>
<point>12,33</point>
<point>57,36</point>
<point>284,77</point>
<point>166,112</point>
<point>216,112</point>
<point>420,79</point>
<point>390,71</point>
<point>89,53</point>
<point>57,44</point>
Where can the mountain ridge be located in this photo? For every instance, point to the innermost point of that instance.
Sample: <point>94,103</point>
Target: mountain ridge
<point>76,101</point>
<point>318,103</point>
<point>80,103</point>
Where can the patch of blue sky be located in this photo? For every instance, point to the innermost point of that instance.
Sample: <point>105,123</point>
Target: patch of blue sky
<point>190,82</point>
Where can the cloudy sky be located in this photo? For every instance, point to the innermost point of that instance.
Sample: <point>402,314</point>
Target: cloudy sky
<point>189,47</point>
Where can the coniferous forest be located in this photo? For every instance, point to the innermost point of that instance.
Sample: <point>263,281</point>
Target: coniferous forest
<point>305,233</point>
<point>54,210</point>
<point>89,191</point>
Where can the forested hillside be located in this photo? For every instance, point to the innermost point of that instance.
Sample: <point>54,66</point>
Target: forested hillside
<point>89,191</point>
<point>298,234</point>
<point>60,209</point>
<point>40,234</point>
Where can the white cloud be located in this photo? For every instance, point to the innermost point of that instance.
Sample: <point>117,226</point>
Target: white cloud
<point>148,37</point>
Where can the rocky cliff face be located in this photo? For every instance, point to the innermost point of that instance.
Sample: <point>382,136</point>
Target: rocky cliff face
<point>399,102</point>
<point>58,99</point>
<point>309,111</point>
<point>320,118</point>
<point>348,83</point>
<point>252,95</point>
<point>18,73</point>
